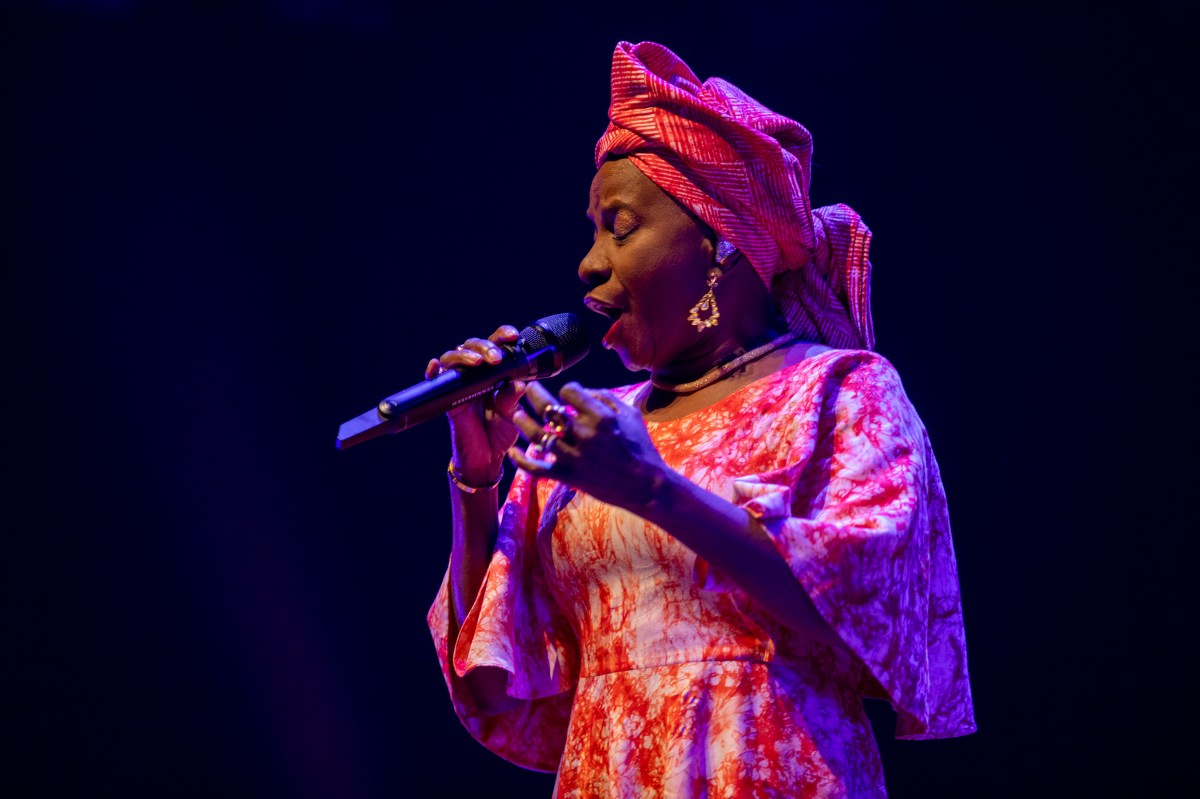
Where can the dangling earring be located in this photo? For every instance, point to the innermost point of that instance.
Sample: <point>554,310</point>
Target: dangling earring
<point>708,302</point>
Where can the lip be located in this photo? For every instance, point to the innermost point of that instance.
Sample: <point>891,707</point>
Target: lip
<point>610,337</point>
<point>608,309</point>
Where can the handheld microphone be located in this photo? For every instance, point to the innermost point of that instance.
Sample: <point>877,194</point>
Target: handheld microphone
<point>544,349</point>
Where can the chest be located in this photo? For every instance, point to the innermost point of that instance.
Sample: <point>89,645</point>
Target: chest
<point>590,546</point>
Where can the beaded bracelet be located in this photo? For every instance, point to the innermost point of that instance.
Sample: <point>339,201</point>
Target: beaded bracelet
<point>470,489</point>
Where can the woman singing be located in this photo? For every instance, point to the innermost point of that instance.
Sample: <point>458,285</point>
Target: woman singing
<point>694,580</point>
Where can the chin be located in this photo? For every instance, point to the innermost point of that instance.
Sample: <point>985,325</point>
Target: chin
<point>630,363</point>
<point>620,346</point>
<point>630,360</point>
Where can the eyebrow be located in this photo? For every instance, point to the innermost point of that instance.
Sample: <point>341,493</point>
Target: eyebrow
<point>617,204</point>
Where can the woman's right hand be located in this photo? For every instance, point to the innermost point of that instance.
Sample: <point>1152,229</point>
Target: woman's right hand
<point>481,431</point>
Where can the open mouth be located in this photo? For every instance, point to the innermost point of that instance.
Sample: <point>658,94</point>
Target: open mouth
<point>611,311</point>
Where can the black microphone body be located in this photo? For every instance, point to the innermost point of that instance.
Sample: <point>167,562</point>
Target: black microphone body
<point>544,349</point>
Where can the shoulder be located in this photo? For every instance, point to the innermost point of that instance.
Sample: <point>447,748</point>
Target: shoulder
<point>840,363</point>
<point>850,393</point>
<point>840,373</point>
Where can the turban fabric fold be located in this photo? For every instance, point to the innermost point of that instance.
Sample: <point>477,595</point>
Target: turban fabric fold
<point>745,171</point>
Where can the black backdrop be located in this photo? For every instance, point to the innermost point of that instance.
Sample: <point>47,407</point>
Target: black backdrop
<point>228,227</point>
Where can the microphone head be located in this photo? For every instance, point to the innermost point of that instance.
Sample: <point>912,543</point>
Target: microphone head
<point>565,332</point>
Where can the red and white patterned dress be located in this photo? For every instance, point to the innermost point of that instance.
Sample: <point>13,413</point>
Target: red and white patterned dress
<point>647,674</point>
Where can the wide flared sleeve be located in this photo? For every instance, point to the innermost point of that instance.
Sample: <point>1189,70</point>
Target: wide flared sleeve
<point>858,511</point>
<point>515,625</point>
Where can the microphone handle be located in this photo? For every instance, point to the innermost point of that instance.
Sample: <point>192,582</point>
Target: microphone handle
<point>451,388</point>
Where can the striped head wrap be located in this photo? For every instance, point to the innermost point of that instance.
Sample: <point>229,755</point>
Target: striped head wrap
<point>745,171</point>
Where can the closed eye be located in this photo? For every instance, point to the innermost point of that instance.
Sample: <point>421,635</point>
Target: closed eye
<point>622,222</point>
<point>622,234</point>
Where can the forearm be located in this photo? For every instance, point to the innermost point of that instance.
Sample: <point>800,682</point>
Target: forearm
<point>736,544</point>
<point>473,529</point>
<point>474,520</point>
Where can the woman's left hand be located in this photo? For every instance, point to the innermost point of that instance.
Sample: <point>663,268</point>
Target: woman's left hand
<point>604,450</point>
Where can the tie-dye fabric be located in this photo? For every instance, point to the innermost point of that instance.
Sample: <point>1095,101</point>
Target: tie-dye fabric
<point>645,673</point>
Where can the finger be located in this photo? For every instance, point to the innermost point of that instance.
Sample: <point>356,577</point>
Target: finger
<point>565,451</point>
<point>505,334</point>
<point>535,466</point>
<point>508,396</point>
<point>530,429</point>
<point>433,368</point>
<point>610,399</point>
<point>460,357</point>
<point>583,400</point>
<point>540,397</point>
<point>550,464</point>
<point>487,350</point>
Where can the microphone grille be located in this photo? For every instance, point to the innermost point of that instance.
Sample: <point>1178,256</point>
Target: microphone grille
<point>565,332</point>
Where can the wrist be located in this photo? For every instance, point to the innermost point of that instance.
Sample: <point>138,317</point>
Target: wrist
<point>473,472</point>
<point>663,490</point>
<point>471,485</point>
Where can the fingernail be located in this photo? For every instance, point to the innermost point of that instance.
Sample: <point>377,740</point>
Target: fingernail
<point>493,354</point>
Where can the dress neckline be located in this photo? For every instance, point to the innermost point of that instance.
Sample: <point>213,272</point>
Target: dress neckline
<point>636,389</point>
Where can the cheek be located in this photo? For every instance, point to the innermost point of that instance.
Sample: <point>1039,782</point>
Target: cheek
<point>672,296</point>
<point>667,281</point>
<point>662,329</point>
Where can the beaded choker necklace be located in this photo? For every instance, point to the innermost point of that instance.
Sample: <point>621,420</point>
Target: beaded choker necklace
<point>717,372</point>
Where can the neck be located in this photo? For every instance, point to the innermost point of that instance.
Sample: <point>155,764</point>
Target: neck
<point>709,355</point>
<point>733,362</point>
<point>752,322</point>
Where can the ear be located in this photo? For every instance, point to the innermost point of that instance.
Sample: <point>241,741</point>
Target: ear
<point>726,254</point>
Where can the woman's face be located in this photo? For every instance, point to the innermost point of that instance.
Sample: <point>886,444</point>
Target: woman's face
<point>647,267</point>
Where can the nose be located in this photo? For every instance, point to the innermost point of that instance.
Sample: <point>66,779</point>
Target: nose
<point>594,268</point>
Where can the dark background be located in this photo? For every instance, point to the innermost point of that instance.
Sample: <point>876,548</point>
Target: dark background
<point>228,227</point>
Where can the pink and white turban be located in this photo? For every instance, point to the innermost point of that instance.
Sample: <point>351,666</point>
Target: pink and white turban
<point>745,171</point>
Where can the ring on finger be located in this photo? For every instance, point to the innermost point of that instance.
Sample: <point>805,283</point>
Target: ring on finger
<point>542,449</point>
<point>549,436</point>
<point>557,429</point>
<point>557,418</point>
